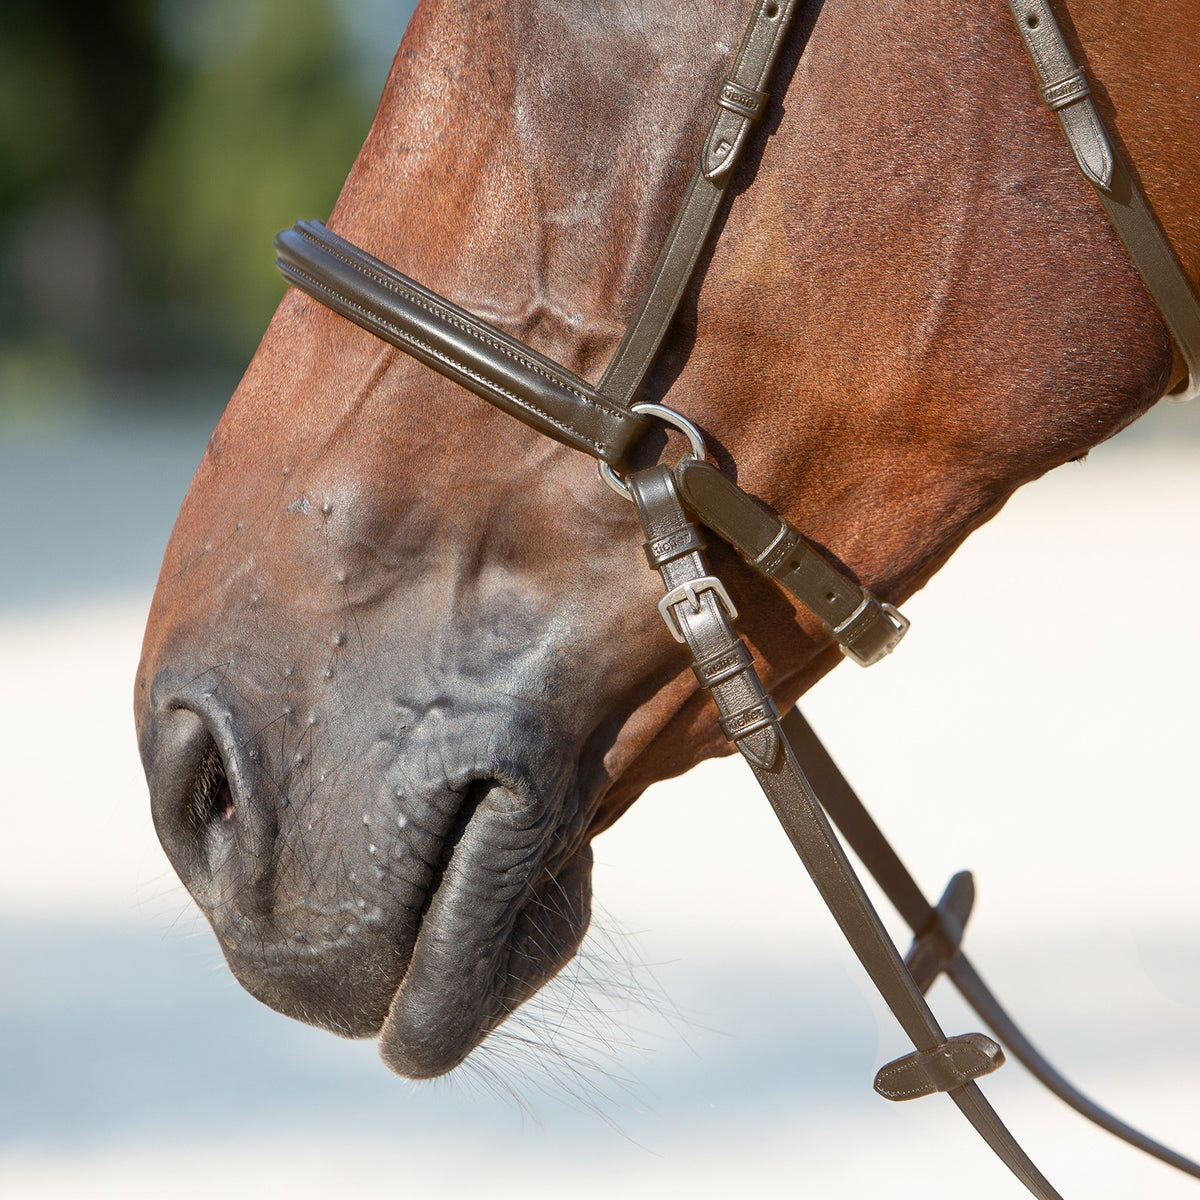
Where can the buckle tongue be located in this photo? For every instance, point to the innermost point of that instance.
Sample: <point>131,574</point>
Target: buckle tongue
<point>689,591</point>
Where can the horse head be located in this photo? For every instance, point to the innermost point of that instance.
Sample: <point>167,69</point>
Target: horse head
<point>403,660</point>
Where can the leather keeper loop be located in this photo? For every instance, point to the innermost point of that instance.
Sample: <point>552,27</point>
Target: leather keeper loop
<point>1066,91</point>
<point>746,102</point>
<point>779,551</point>
<point>673,545</point>
<point>722,666</point>
<point>943,1069</point>
<point>746,721</point>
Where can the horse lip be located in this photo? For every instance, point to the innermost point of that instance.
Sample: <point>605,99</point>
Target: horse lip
<point>322,982</point>
<point>450,995</point>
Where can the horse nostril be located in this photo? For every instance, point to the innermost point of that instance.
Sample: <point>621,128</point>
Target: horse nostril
<point>200,803</point>
<point>212,797</point>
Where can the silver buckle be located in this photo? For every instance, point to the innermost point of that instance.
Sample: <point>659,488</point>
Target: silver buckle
<point>689,591</point>
<point>894,617</point>
<point>899,622</point>
<point>672,418</point>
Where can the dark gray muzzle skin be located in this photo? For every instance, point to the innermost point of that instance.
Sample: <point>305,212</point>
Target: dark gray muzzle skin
<point>389,840</point>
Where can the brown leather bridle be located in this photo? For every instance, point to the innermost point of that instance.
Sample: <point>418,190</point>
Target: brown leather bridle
<point>606,421</point>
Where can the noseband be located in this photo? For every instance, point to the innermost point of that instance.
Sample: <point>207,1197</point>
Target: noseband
<point>606,421</point>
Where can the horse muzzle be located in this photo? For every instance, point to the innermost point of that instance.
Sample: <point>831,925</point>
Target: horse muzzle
<point>421,898</point>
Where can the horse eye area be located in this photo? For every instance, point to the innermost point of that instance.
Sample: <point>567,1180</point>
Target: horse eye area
<point>211,799</point>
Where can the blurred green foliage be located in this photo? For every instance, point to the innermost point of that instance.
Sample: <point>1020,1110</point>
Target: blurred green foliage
<point>149,149</point>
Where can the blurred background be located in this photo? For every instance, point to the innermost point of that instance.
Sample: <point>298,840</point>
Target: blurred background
<point>714,1037</point>
<point>149,150</point>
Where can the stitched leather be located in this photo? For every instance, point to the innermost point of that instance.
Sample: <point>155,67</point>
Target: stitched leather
<point>484,360</point>
<point>738,694</point>
<point>851,615</point>
<point>1065,92</point>
<point>952,1064</point>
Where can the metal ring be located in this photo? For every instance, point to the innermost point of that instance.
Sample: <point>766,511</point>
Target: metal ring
<point>672,418</point>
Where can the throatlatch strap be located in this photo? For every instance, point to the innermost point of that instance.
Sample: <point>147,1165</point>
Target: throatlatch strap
<point>1065,91</point>
<point>751,722</point>
<point>449,339</point>
<point>866,630</point>
<point>740,104</point>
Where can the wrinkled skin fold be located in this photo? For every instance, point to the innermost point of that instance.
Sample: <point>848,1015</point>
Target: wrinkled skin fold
<point>404,660</point>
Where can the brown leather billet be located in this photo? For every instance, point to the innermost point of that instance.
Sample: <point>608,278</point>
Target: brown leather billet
<point>673,546</point>
<point>460,346</point>
<point>1064,90</point>
<point>864,628</point>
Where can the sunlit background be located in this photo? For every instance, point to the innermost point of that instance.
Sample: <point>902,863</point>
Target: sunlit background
<point>715,1037</point>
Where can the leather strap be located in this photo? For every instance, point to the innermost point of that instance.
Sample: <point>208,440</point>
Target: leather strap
<point>560,404</point>
<point>774,748</point>
<point>506,372</point>
<point>740,103</point>
<point>484,360</point>
<point>1065,91</point>
<point>936,947</point>
<point>752,723</point>
<point>700,614</point>
<point>967,1056</point>
<point>865,629</point>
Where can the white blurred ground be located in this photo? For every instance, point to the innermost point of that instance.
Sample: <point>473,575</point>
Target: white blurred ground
<point>1037,727</point>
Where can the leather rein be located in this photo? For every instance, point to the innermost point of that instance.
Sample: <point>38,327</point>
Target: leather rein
<point>606,421</point>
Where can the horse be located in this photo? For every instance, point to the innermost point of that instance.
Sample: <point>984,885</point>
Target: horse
<point>402,663</point>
